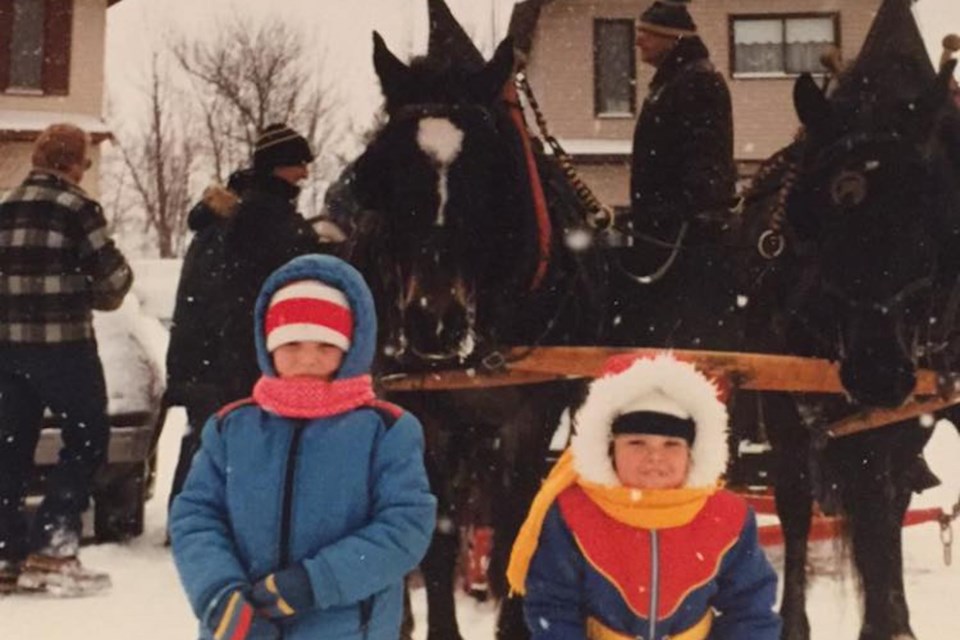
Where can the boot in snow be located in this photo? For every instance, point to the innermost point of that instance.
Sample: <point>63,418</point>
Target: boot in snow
<point>9,572</point>
<point>61,577</point>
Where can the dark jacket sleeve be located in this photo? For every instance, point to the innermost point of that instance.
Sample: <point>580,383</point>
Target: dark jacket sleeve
<point>109,274</point>
<point>704,116</point>
<point>553,606</point>
<point>198,317</point>
<point>747,591</point>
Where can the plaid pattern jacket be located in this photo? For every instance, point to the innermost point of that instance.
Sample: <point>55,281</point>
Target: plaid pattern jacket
<point>57,263</point>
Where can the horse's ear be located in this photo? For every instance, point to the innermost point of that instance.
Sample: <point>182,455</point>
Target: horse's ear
<point>391,71</point>
<point>811,104</point>
<point>488,82</point>
<point>922,115</point>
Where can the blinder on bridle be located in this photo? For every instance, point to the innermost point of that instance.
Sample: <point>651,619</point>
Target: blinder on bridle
<point>421,110</point>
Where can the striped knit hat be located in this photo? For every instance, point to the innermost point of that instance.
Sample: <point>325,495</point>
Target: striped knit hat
<point>280,146</point>
<point>309,310</point>
<point>668,18</point>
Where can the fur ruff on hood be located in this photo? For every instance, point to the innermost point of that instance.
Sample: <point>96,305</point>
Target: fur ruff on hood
<point>638,384</point>
<point>221,200</point>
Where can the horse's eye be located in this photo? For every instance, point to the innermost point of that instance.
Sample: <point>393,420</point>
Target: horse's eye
<point>848,189</point>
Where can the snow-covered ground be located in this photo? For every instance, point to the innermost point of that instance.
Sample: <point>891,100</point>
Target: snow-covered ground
<point>146,602</point>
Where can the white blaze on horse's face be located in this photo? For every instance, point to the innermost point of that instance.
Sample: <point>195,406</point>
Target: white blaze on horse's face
<point>442,141</point>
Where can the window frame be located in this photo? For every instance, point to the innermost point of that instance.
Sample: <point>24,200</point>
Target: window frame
<point>57,48</point>
<point>783,18</point>
<point>632,61</point>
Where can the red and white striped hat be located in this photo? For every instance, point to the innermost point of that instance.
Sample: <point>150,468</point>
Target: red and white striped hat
<point>309,310</point>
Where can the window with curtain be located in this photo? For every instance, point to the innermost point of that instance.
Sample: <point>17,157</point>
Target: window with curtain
<point>781,45</point>
<point>614,63</point>
<point>35,41</point>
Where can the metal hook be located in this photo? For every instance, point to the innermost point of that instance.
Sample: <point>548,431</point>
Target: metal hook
<point>771,244</point>
<point>946,538</point>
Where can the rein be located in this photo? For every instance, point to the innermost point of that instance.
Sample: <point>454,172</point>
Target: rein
<point>658,274</point>
<point>600,216</point>
<point>544,226</point>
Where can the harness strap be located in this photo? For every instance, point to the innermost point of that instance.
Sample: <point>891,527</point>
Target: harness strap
<point>544,226</point>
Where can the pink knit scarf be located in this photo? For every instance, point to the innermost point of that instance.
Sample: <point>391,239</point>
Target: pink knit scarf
<point>311,398</point>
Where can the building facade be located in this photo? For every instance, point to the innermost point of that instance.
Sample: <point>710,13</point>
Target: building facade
<point>584,67</point>
<point>51,70</point>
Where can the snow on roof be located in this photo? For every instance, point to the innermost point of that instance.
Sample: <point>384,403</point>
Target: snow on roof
<point>16,121</point>
<point>596,147</point>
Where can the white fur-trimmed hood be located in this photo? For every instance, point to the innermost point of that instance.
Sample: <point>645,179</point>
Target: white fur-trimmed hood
<point>618,393</point>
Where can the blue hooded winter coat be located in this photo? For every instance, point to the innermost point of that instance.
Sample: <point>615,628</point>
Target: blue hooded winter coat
<point>346,495</point>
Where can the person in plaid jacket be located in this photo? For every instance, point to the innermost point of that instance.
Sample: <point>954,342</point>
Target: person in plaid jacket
<point>57,264</point>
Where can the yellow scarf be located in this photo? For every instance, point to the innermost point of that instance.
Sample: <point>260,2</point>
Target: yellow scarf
<point>646,509</point>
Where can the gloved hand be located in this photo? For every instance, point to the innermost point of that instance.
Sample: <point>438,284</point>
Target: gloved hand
<point>283,593</point>
<point>235,618</point>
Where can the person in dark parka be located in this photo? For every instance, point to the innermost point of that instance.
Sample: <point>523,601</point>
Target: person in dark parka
<point>265,233</point>
<point>682,183</point>
<point>192,380</point>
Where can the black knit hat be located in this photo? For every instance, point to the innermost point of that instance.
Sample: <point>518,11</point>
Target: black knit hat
<point>280,146</point>
<point>668,18</point>
<point>654,423</point>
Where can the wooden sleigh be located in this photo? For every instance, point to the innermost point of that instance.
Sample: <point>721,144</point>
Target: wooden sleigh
<point>750,371</point>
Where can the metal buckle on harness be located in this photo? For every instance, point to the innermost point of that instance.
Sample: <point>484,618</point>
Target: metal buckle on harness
<point>612,238</point>
<point>494,361</point>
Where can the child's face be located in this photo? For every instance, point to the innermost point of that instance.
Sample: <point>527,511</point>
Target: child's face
<point>646,461</point>
<point>308,359</point>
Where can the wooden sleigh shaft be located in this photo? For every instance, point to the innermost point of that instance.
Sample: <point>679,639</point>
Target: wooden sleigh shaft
<point>751,371</point>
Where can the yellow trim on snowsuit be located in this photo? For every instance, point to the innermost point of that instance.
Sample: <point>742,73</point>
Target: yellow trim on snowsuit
<point>647,509</point>
<point>596,630</point>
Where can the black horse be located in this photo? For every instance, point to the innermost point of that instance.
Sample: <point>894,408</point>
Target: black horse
<point>858,223</point>
<point>442,209</point>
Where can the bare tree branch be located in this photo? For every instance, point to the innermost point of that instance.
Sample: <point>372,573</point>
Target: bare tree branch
<point>251,75</point>
<point>159,159</point>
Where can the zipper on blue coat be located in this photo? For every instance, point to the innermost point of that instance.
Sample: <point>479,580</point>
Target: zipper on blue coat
<point>287,510</point>
<point>366,612</point>
<point>654,582</point>
<point>285,521</point>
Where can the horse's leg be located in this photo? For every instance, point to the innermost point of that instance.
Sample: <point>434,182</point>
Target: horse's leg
<point>525,438</point>
<point>794,499</point>
<point>520,480</point>
<point>876,497</point>
<point>438,568</point>
<point>440,561</point>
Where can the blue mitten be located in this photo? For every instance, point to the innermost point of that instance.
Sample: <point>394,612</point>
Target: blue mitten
<point>283,593</point>
<point>235,618</point>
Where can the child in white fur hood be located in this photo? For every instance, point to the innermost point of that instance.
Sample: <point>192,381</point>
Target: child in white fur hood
<point>632,535</point>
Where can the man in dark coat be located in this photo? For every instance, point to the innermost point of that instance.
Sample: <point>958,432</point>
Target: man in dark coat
<point>194,349</point>
<point>265,233</point>
<point>681,188</point>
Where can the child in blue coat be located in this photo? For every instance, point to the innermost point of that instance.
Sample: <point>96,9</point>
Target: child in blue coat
<point>307,503</point>
<point>631,535</point>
